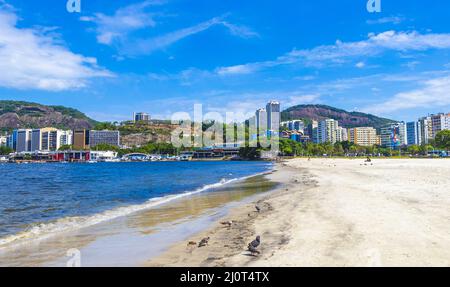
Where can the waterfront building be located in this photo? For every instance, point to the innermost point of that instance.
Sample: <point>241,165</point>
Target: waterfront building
<point>273,116</point>
<point>49,139</point>
<point>341,134</point>
<point>261,121</point>
<point>311,131</point>
<point>104,137</point>
<point>413,133</point>
<point>23,143</point>
<point>103,155</point>
<point>65,138</point>
<point>3,140</point>
<point>426,130</point>
<point>141,117</point>
<point>440,122</point>
<point>81,139</point>
<point>12,140</point>
<point>393,136</point>
<point>327,131</point>
<point>363,136</point>
<point>296,125</point>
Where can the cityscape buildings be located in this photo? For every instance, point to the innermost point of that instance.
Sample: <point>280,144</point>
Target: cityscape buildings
<point>363,136</point>
<point>141,117</point>
<point>413,133</point>
<point>104,137</point>
<point>273,116</point>
<point>393,136</point>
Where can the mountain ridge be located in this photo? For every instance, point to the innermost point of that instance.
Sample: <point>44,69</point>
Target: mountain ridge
<point>346,119</point>
<point>22,114</point>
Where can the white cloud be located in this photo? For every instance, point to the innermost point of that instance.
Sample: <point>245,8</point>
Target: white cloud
<point>387,20</point>
<point>145,46</point>
<point>432,93</point>
<point>360,65</point>
<point>115,29</point>
<point>35,59</point>
<point>341,52</point>
<point>124,21</point>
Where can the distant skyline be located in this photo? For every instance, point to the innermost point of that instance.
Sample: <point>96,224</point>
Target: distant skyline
<point>163,56</point>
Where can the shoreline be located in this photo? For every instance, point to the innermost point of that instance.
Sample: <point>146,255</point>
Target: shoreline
<point>244,218</point>
<point>334,212</point>
<point>161,225</point>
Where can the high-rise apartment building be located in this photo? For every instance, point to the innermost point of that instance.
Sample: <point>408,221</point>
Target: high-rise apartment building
<point>426,130</point>
<point>413,133</point>
<point>363,136</point>
<point>49,139</point>
<point>439,122</point>
<point>141,117</point>
<point>296,125</point>
<point>311,131</point>
<point>81,139</point>
<point>104,137</point>
<point>341,134</point>
<point>327,131</point>
<point>261,121</point>
<point>23,142</point>
<point>273,116</point>
<point>393,136</point>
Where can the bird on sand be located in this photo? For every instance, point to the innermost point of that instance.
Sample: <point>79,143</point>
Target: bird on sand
<point>227,223</point>
<point>203,242</point>
<point>258,209</point>
<point>190,243</point>
<point>254,244</point>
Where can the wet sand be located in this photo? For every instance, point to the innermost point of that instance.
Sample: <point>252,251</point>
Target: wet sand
<point>335,212</point>
<point>130,240</point>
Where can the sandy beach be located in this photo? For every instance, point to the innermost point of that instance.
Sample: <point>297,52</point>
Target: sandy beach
<point>335,212</point>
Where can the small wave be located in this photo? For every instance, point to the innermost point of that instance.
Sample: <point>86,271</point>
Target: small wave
<point>66,224</point>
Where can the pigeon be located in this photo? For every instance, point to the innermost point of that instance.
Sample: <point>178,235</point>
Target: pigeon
<point>254,244</point>
<point>258,209</point>
<point>203,242</point>
<point>227,223</point>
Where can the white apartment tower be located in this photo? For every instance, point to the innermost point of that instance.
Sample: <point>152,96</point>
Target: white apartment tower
<point>273,116</point>
<point>327,131</point>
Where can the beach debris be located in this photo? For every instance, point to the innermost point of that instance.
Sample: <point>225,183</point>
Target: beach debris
<point>203,242</point>
<point>190,243</point>
<point>227,223</point>
<point>258,209</point>
<point>253,245</point>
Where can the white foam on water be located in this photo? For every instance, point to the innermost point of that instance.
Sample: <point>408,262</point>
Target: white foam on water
<point>44,230</point>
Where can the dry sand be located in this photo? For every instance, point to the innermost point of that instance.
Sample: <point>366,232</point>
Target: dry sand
<point>336,212</point>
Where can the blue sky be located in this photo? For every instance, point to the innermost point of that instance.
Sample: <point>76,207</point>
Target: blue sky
<point>161,57</point>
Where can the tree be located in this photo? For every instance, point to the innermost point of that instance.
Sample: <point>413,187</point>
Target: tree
<point>105,147</point>
<point>442,139</point>
<point>105,126</point>
<point>250,153</point>
<point>414,149</point>
<point>65,147</point>
<point>5,150</point>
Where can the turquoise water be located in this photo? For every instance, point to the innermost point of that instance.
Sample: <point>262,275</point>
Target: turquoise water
<point>44,197</point>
